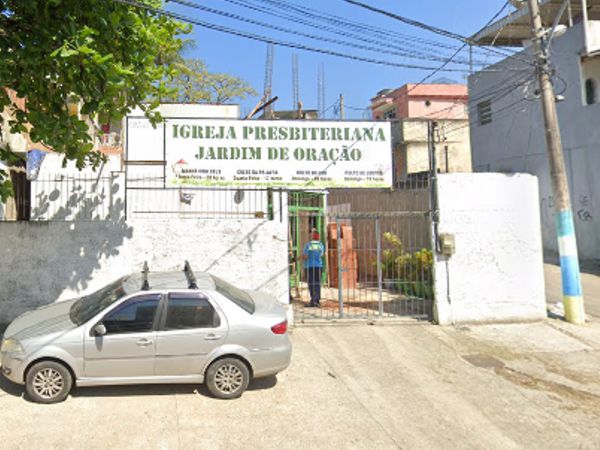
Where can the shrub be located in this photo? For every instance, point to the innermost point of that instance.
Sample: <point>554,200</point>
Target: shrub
<point>411,272</point>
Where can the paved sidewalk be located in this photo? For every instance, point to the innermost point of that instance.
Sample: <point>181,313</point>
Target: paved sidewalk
<point>404,386</point>
<point>590,281</point>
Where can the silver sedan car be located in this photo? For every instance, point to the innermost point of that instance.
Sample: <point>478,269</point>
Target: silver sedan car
<point>154,327</point>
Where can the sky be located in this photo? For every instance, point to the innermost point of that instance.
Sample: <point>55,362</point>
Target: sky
<point>357,81</point>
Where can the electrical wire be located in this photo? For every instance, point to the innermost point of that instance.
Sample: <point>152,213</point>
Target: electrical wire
<point>493,94</point>
<point>339,22</point>
<point>273,41</point>
<point>442,67</point>
<point>378,49</point>
<point>212,26</point>
<point>496,115</point>
<point>340,27</point>
<point>424,26</point>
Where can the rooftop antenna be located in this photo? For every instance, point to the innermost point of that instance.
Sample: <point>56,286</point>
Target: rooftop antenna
<point>269,80</point>
<point>295,83</point>
<point>191,279</point>
<point>145,270</point>
<point>321,91</point>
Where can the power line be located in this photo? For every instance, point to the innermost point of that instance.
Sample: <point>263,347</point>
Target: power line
<point>406,20</point>
<point>498,114</point>
<point>378,48</point>
<point>494,93</point>
<point>270,40</point>
<point>424,26</point>
<point>442,67</point>
<point>339,22</point>
<point>345,23</point>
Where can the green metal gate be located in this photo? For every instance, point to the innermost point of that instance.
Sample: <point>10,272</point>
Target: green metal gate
<point>306,212</point>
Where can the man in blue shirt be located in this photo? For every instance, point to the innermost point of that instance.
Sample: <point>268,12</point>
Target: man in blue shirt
<point>313,264</point>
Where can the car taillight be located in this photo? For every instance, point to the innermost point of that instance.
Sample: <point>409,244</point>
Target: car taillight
<point>280,328</point>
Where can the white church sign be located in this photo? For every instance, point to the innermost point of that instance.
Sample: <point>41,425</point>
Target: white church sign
<point>272,153</point>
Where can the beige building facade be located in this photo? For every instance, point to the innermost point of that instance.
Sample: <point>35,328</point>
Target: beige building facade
<point>411,108</point>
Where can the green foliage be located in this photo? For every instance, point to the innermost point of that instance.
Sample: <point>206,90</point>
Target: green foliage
<point>195,84</point>
<point>415,266</point>
<point>411,272</point>
<point>109,56</point>
<point>390,255</point>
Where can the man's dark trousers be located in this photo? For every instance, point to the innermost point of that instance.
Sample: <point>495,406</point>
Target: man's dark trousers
<point>313,278</point>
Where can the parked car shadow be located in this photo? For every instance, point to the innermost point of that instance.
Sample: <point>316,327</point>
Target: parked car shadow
<point>162,389</point>
<point>9,388</point>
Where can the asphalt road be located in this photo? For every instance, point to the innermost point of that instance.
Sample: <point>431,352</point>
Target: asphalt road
<point>414,386</point>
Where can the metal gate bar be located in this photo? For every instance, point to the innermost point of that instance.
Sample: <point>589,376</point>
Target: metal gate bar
<point>379,258</point>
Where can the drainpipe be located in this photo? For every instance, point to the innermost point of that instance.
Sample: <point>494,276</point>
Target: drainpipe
<point>585,25</point>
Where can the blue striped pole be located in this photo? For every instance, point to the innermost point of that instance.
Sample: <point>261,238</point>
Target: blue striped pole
<point>567,245</point>
<point>569,268</point>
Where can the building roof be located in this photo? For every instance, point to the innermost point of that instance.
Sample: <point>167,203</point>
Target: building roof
<point>514,29</point>
<point>293,114</point>
<point>411,91</point>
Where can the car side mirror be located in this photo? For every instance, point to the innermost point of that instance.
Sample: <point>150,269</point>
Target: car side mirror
<point>99,330</point>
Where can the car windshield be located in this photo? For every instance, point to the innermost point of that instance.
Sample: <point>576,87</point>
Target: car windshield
<point>236,295</point>
<point>88,306</point>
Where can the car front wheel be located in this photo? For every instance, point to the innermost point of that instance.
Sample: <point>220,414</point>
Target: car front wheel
<point>48,382</point>
<point>227,378</point>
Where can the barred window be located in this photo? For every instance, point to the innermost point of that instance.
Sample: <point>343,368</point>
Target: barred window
<point>390,114</point>
<point>590,91</point>
<point>484,112</point>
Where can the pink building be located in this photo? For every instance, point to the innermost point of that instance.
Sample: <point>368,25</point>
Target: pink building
<point>410,108</point>
<point>422,101</point>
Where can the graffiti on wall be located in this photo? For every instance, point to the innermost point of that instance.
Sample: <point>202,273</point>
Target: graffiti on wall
<point>582,208</point>
<point>583,212</point>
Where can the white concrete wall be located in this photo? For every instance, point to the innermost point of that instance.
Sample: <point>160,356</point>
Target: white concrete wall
<point>70,194</point>
<point>496,273</point>
<point>52,166</point>
<point>43,262</point>
<point>514,141</point>
<point>194,110</point>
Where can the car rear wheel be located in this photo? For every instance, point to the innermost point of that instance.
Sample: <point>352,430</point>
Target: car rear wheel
<point>227,378</point>
<point>48,382</point>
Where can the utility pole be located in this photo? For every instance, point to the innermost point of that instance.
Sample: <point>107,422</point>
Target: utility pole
<point>565,229</point>
<point>342,113</point>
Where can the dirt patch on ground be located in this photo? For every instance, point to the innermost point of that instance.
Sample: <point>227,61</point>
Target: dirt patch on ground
<point>585,400</point>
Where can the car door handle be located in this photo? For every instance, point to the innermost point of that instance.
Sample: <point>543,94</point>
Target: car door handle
<point>144,342</point>
<point>212,337</point>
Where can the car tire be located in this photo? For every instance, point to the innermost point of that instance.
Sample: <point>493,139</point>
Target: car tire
<point>48,382</point>
<point>227,378</point>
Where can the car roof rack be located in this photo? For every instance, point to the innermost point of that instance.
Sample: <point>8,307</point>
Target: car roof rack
<point>189,274</point>
<point>145,270</point>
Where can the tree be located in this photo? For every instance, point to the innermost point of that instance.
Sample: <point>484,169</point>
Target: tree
<point>195,84</point>
<point>106,56</point>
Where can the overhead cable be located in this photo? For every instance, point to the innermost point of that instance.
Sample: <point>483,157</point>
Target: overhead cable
<point>270,40</point>
<point>313,15</point>
<point>424,26</point>
<point>379,49</point>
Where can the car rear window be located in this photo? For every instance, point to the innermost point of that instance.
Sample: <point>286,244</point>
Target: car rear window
<point>236,295</point>
<point>188,311</point>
